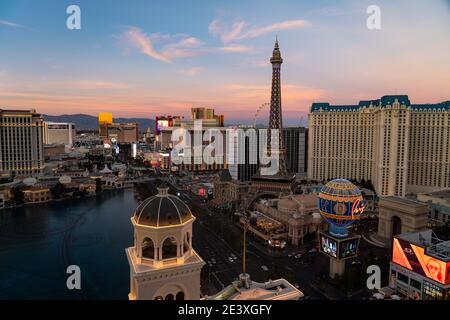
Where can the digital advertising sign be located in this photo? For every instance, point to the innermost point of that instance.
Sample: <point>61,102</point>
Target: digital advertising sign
<point>339,248</point>
<point>164,122</point>
<point>348,248</point>
<point>413,257</point>
<point>328,246</point>
<point>161,124</point>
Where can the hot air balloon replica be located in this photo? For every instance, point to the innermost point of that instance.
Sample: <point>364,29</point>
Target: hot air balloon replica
<point>340,204</point>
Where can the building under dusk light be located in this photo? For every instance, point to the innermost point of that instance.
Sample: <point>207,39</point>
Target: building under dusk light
<point>21,142</point>
<point>225,151</point>
<point>399,146</point>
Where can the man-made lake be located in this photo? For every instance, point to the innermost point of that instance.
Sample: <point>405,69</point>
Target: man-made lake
<point>38,242</point>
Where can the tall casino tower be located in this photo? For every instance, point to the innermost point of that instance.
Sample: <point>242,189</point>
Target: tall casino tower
<point>276,115</point>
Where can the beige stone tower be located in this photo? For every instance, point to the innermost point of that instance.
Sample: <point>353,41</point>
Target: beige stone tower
<point>163,264</point>
<point>400,215</point>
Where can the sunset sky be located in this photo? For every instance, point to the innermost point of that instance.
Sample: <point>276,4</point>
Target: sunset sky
<point>144,58</point>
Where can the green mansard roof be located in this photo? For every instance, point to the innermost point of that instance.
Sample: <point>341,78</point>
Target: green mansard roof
<point>383,102</point>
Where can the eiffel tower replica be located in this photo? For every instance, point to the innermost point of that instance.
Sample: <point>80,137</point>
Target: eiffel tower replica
<point>282,182</point>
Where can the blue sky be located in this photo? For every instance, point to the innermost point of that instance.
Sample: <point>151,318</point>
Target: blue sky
<point>143,58</point>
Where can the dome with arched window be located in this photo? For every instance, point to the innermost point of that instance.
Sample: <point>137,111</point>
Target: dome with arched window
<point>162,210</point>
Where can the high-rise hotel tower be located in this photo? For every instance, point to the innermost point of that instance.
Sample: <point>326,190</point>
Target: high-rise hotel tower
<point>400,147</point>
<point>21,142</point>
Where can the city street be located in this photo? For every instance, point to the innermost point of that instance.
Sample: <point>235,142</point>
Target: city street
<point>212,247</point>
<point>215,248</point>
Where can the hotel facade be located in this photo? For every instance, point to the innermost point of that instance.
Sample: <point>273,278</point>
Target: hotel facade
<point>21,142</point>
<point>400,147</point>
<point>59,133</point>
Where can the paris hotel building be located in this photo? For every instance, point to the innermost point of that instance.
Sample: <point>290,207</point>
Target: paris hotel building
<point>400,147</point>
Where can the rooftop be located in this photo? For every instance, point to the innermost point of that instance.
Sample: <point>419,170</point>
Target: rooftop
<point>441,194</point>
<point>380,103</point>
<point>404,201</point>
<point>15,112</point>
<point>162,210</point>
<point>434,246</point>
<point>246,289</point>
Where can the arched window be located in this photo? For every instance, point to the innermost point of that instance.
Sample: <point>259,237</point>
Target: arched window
<point>169,248</point>
<point>148,249</point>
<point>186,242</point>
<point>180,296</point>
<point>169,297</point>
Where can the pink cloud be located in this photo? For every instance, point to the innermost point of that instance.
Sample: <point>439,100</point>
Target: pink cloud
<point>96,84</point>
<point>175,47</point>
<point>291,93</point>
<point>226,34</point>
<point>138,39</point>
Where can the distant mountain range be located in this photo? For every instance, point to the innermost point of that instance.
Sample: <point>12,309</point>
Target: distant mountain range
<point>87,122</point>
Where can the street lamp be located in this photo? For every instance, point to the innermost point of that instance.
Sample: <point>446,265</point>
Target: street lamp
<point>244,245</point>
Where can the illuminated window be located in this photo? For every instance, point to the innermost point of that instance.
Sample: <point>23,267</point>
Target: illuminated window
<point>432,292</point>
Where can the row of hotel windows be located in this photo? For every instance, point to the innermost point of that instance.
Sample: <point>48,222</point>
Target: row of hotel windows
<point>439,125</point>
<point>419,121</point>
<point>17,120</point>
<point>426,174</point>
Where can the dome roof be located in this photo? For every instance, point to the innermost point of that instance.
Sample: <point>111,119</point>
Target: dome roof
<point>287,204</point>
<point>162,210</point>
<point>317,216</point>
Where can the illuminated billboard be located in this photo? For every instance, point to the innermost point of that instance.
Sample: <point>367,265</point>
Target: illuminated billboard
<point>414,258</point>
<point>328,246</point>
<point>164,122</point>
<point>161,124</point>
<point>348,248</point>
<point>339,248</point>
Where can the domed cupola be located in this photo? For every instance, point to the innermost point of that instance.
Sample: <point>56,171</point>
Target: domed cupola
<point>162,210</point>
<point>162,261</point>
